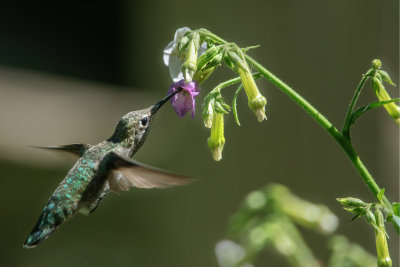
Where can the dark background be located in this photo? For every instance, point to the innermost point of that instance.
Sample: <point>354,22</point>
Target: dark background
<point>62,52</point>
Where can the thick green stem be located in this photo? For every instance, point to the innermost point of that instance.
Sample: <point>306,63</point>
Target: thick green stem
<point>343,141</point>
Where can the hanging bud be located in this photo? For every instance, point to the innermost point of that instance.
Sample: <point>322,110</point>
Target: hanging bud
<point>382,251</point>
<point>189,67</point>
<point>216,140</point>
<point>235,59</point>
<point>256,101</point>
<point>380,91</point>
<point>208,111</point>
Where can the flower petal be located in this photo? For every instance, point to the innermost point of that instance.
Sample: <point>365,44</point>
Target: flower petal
<point>202,48</point>
<point>168,52</point>
<point>179,34</point>
<point>184,101</point>
<point>175,71</point>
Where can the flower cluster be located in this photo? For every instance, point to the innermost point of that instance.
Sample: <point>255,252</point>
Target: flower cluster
<point>374,216</point>
<point>191,58</point>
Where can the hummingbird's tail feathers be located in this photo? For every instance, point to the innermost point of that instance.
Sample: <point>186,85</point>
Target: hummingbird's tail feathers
<point>48,221</point>
<point>37,236</point>
<point>76,149</point>
<point>124,173</point>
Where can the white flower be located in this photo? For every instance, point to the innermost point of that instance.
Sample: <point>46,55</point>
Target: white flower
<point>171,58</point>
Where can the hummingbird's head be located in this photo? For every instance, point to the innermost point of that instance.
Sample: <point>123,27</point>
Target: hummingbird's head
<point>135,125</point>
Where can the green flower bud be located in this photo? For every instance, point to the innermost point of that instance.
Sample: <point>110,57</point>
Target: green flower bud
<point>208,111</point>
<point>216,140</point>
<point>211,58</point>
<point>376,64</point>
<point>201,75</point>
<point>369,215</point>
<point>352,202</point>
<point>184,43</point>
<point>382,251</point>
<point>392,109</point>
<point>256,101</point>
<point>189,67</point>
<point>235,60</point>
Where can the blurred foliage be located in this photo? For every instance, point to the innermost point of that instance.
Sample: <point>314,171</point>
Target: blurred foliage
<point>266,220</point>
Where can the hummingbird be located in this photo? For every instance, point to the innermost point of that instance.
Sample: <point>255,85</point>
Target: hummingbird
<point>103,168</point>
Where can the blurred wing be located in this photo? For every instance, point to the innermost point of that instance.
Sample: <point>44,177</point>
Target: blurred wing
<point>76,149</point>
<point>124,173</point>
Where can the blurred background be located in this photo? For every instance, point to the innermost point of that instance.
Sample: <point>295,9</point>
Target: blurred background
<point>70,69</point>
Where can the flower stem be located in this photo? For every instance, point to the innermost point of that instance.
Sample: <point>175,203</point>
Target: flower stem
<point>342,140</point>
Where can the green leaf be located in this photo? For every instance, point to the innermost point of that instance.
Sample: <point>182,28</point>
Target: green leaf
<point>234,106</point>
<point>385,76</point>
<point>360,111</point>
<point>380,194</point>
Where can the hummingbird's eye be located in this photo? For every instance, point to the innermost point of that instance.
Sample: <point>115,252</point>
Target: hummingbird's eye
<point>144,121</point>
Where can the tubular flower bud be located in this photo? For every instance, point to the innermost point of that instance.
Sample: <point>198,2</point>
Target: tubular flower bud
<point>189,67</point>
<point>382,251</point>
<point>256,101</point>
<point>352,202</point>
<point>201,75</point>
<point>235,59</point>
<point>392,109</point>
<point>211,58</point>
<point>208,111</point>
<point>216,140</point>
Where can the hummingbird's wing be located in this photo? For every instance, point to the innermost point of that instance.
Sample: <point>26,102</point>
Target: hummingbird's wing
<point>76,149</point>
<point>124,173</point>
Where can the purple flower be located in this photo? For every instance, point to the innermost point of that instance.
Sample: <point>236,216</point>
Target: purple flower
<point>184,101</point>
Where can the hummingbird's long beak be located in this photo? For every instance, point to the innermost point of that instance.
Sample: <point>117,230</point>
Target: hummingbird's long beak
<point>162,101</point>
